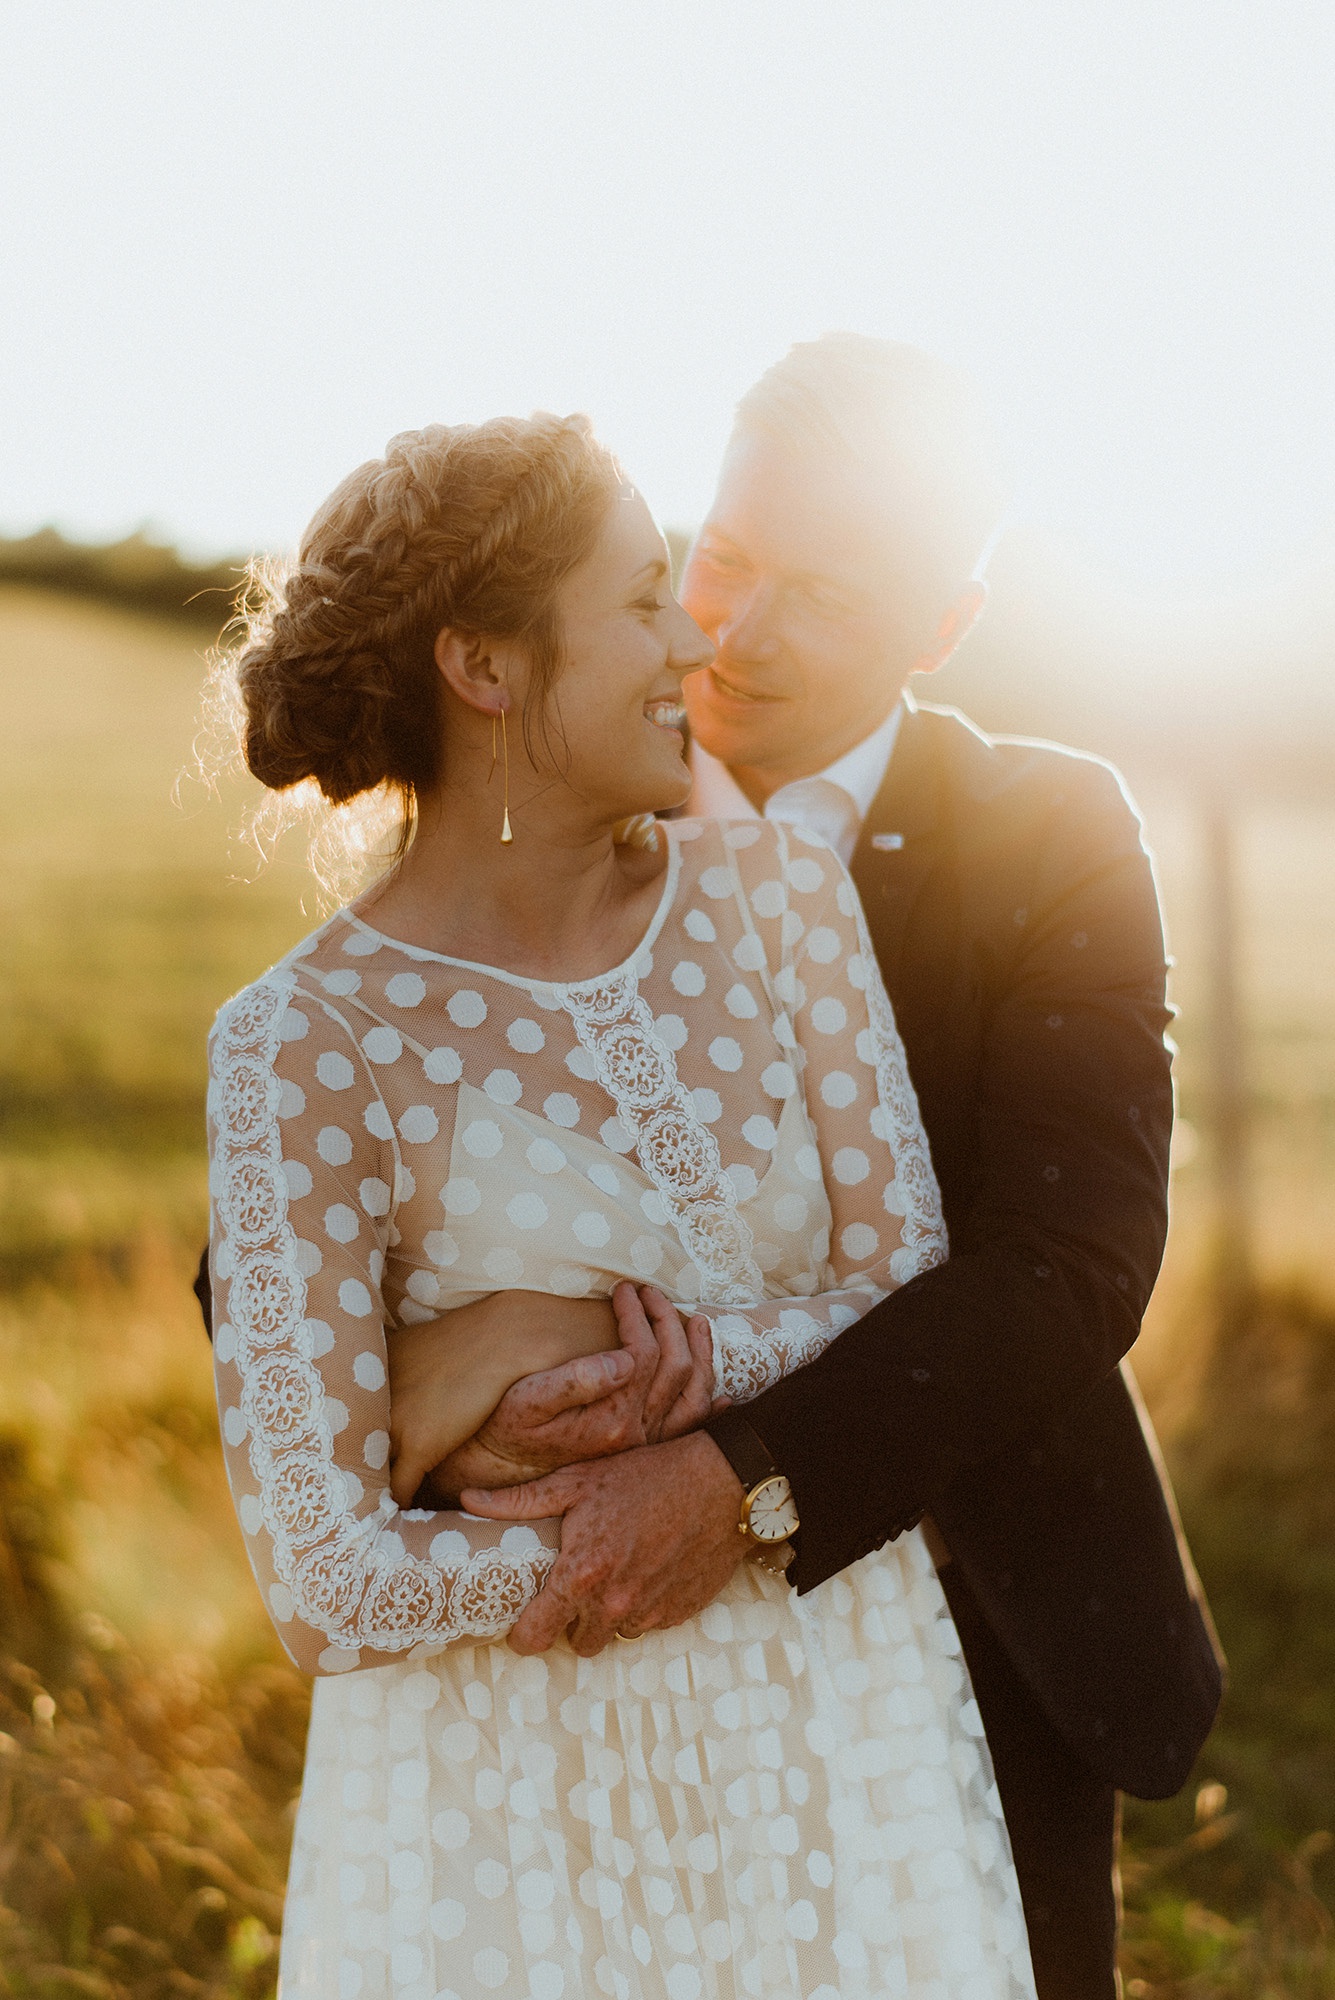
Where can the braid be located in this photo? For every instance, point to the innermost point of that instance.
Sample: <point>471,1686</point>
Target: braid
<point>474,526</point>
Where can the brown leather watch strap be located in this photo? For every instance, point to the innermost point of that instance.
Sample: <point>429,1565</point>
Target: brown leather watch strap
<point>743,1447</point>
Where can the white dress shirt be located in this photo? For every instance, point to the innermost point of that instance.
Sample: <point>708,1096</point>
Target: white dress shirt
<point>833,803</point>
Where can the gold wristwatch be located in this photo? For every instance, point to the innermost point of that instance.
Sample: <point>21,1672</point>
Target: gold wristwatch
<point>768,1513</point>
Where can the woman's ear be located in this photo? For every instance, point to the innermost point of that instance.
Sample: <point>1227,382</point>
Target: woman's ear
<point>473,668</point>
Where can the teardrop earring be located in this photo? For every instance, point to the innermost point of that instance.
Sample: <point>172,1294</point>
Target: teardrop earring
<point>506,835</point>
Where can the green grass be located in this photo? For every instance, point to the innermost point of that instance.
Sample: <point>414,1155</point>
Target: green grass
<point>149,1731</point>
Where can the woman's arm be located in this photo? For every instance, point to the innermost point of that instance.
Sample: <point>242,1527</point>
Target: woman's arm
<point>447,1375</point>
<point>840,1048</point>
<point>449,1379</point>
<point>299,1240</point>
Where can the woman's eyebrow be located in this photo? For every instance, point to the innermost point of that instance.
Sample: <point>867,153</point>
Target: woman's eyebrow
<point>656,569</point>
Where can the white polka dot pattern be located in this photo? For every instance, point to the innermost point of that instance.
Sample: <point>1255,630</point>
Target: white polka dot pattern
<point>783,1797</point>
<point>764,1802</point>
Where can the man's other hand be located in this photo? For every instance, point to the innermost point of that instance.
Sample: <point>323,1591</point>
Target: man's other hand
<point>648,1539</point>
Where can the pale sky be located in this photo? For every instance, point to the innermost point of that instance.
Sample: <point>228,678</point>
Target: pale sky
<point>242,243</point>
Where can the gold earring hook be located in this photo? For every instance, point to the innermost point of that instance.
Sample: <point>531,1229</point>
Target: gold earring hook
<point>506,835</point>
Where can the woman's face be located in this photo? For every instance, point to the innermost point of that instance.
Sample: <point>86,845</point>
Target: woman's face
<point>615,715</point>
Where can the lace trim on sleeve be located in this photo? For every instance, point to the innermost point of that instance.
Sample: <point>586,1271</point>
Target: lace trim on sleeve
<point>749,1359</point>
<point>347,1578</point>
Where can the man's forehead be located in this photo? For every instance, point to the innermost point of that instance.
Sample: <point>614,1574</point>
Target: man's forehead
<point>807,512</point>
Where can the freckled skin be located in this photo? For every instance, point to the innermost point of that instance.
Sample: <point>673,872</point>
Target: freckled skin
<point>632,1558</point>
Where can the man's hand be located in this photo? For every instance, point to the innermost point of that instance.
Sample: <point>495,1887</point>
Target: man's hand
<point>584,1409</point>
<point>648,1539</point>
<point>447,1375</point>
<point>657,1384</point>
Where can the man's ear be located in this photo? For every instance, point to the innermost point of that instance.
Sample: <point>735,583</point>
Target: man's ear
<point>957,622</point>
<point>472,668</point>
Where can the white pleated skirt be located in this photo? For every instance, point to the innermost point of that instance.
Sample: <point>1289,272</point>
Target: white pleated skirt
<point>784,1799</point>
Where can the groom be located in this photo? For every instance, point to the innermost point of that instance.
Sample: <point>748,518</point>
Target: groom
<point>1013,911</point>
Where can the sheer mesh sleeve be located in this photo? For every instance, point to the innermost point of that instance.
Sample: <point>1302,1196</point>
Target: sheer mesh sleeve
<point>305,1172</point>
<point>845,1056</point>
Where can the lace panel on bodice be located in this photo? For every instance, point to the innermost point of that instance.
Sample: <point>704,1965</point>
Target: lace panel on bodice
<point>676,1149</point>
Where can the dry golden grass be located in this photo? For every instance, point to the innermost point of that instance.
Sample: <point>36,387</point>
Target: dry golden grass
<point>149,1730</point>
<point>122,926</point>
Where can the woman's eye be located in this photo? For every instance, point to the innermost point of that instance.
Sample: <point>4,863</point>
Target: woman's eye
<point>650,604</point>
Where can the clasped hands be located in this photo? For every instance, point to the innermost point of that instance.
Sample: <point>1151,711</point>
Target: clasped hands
<point>608,1440</point>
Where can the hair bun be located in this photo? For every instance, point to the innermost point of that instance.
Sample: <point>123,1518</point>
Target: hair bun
<point>321,718</point>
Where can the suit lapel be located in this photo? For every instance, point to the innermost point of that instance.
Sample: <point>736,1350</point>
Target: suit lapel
<point>901,839</point>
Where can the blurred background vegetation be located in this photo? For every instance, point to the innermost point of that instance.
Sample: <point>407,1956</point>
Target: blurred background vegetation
<point>150,1732</point>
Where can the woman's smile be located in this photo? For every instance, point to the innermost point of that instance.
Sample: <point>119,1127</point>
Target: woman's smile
<point>667,711</point>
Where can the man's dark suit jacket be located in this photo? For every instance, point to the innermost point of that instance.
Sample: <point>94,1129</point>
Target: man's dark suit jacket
<point>1017,926</point>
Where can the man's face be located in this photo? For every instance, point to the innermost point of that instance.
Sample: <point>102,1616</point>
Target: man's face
<point>819,592</point>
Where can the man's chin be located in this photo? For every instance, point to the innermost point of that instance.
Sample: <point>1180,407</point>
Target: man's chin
<point>749,740</point>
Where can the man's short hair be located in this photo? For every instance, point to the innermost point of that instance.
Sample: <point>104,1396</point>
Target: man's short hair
<point>905,416</point>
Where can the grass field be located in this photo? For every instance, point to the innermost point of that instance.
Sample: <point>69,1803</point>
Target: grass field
<point>149,1734</point>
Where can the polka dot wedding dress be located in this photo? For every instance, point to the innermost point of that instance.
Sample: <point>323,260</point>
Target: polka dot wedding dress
<point>787,1798</point>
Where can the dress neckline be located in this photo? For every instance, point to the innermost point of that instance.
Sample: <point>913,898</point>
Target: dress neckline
<point>645,943</point>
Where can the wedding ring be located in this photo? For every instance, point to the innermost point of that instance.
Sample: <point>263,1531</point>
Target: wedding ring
<point>627,1638</point>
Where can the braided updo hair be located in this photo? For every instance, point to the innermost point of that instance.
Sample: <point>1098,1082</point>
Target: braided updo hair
<point>331,685</point>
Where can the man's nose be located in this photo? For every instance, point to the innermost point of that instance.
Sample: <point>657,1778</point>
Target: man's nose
<point>692,648</point>
<point>747,631</point>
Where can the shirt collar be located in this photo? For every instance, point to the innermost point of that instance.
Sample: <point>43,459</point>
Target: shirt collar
<point>860,773</point>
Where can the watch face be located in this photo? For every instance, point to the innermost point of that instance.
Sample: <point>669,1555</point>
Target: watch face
<point>771,1513</point>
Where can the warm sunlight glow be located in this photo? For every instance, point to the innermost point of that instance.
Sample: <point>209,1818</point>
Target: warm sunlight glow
<point>251,244</point>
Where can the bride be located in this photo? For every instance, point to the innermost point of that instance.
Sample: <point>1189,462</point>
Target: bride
<point>538,1059</point>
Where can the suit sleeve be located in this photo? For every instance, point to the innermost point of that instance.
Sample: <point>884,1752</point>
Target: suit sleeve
<point>1054,1257</point>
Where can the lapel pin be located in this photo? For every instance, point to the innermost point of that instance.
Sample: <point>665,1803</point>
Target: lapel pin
<point>887,843</point>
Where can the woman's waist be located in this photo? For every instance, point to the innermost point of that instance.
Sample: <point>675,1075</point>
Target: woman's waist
<point>416,1291</point>
<point>579,1235</point>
